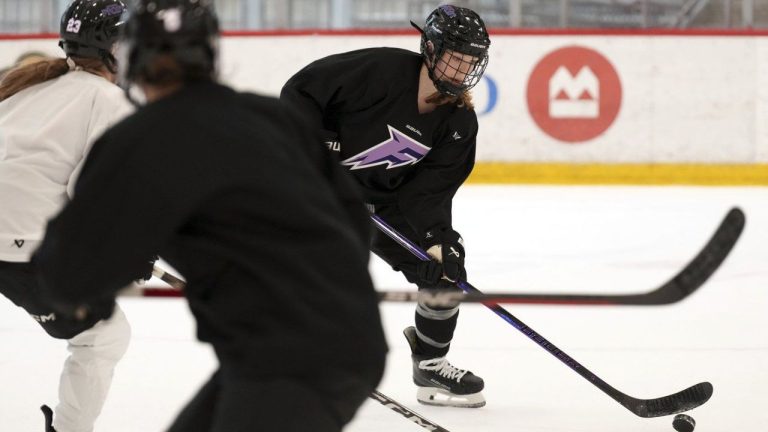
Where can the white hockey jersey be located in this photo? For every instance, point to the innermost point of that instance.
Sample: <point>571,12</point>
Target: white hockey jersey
<point>45,132</point>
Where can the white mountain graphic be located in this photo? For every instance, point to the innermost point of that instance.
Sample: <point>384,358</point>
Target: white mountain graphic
<point>574,97</point>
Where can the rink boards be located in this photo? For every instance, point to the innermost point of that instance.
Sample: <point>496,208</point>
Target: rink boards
<point>566,107</point>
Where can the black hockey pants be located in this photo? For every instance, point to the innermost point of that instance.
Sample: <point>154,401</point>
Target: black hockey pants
<point>19,282</point>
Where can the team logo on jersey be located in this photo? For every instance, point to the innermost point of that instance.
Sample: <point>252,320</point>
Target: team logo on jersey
<point>399,150</point>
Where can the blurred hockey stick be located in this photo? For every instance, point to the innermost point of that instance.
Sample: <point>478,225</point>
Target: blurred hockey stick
<point>681,401</point>
<point>141,290</point>
<point>405,412</point>
<point>168,278</point>
<point>385,400</point>
<point>683,284</point>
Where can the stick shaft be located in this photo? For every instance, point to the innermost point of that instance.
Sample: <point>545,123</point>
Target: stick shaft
<point>664,405</point>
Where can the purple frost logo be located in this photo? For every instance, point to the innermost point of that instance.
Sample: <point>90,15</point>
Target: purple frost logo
<point>399,150</point>
<point>111,10</point>
<point>449,10</point>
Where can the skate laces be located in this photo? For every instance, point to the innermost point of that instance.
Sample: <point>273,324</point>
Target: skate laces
<point>443,368</point>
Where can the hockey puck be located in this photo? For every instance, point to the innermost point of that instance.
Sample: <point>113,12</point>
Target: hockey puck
<point>683,423</point>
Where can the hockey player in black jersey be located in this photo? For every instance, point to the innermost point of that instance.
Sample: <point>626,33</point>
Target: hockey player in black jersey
<point>403,125</point>
<point>238,197</point>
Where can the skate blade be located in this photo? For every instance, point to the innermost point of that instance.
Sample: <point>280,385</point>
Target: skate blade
<point>439,397</point>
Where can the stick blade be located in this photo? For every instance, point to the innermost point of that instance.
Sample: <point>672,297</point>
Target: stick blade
<point>679,402</point>
<point>701,268</point>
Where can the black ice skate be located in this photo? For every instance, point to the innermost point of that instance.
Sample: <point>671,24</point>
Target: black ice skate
<point>48,418</point>
<point>440,383</point>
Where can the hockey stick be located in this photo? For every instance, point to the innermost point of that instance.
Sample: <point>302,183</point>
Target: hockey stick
<point>682,401</point>
<point>168,278</point>
<point>405,412</point>
<point>440,298</point>
<point>139,290</point>
<point>385,400</point>
<point>683,284</point>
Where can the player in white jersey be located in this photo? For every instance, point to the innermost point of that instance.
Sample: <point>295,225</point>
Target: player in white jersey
<point>50,114</point>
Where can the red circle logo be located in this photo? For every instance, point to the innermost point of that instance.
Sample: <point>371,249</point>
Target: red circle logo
<point>574,94</point>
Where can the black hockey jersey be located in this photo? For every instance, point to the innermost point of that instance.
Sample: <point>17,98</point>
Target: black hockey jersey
<point>367,100</point>
<point>253,212</point>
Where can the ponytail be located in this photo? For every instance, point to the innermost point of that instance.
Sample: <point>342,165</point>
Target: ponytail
<point>23,77</point>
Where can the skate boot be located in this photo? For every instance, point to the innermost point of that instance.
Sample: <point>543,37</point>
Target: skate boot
<point>440,383</point>
<point>48,418</point>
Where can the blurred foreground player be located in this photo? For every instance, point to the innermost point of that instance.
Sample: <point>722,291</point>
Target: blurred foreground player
<point>51,112</point>
<point>404,125</point>
<point>259,220</point>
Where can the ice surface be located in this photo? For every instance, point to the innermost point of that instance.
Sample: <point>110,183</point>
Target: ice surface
<point>518,238</point>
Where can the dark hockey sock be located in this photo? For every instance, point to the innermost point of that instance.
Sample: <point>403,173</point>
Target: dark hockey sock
<point>435,329</point>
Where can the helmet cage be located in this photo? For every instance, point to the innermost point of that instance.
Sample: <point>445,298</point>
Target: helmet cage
<point>455,72</point>
<point>454,44</point>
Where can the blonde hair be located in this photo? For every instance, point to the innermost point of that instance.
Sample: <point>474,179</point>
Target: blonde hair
<point>23,77</point>
<point>463,101</point>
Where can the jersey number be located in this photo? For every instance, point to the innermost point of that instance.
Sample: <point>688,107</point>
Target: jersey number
<point>73,26</point>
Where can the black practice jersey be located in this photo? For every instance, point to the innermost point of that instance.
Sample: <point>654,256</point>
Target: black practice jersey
<point>368,101</point>
<point>261,222</point>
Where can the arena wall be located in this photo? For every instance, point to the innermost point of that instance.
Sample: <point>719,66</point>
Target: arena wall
<point>559,107</point>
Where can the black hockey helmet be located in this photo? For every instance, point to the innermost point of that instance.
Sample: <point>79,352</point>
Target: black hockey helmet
<point>90,28</point>
<point>185,30</point>
<point>462,33</point>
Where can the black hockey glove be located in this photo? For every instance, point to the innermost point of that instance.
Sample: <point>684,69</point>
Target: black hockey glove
<point>146,270</point>
<point>447,249</point>
<point>429,272</point>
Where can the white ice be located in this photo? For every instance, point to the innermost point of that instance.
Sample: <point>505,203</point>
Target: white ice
<point>519,239</point>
